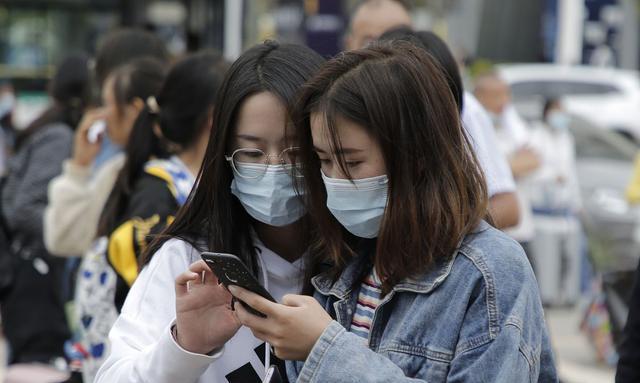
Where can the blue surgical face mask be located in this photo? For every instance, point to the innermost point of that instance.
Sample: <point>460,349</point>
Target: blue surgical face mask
<point>358,204</point>
<point>559,121</point>
<point>270,198</point>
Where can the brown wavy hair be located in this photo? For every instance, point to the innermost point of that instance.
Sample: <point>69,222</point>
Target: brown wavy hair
<point>437,191</point>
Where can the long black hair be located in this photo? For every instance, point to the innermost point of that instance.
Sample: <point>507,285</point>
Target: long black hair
<point>140,79</point>
<point>180,109</point>
<point>213,218</point>
<point>70,92</point>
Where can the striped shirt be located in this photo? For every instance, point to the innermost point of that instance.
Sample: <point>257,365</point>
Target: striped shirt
<point>369,298</point>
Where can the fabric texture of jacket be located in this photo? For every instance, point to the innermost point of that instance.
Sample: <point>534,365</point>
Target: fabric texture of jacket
<point>476,317</point>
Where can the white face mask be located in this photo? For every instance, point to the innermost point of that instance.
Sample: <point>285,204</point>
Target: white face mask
<point>358,204</point>
<point>271,198</point>
<point>559,121</point>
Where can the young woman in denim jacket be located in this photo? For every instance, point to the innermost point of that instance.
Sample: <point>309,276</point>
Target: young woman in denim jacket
<point>419,287</point>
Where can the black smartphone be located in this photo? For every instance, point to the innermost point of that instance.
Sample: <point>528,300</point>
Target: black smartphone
<point>231,271</point>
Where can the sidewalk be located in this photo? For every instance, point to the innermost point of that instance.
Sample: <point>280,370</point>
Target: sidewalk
<point>575,356</point>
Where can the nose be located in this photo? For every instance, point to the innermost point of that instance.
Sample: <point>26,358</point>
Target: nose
<point>273,159</point>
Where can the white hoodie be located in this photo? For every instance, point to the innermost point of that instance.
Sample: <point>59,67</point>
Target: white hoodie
<point>142,347</point>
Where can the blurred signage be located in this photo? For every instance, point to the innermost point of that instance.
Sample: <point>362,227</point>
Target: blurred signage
<point>603,20</point>
<point>324,26</point>
<point>550,21</point>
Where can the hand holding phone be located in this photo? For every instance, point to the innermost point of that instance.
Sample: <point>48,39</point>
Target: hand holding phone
<point>96,130</point>
<point>204,319</point>
<point>230,270</point>
<point>87,144</point>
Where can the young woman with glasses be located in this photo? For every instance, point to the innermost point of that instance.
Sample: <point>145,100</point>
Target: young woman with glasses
<point>181,328</point>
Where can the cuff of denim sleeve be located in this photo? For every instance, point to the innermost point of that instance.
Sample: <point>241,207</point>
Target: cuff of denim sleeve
<point>319,350</point>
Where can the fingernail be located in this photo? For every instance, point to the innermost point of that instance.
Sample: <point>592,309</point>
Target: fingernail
<point>232,289</point>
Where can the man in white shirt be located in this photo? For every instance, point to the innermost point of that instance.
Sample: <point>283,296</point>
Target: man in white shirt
<point>369,20</point>
<point>514,141</point>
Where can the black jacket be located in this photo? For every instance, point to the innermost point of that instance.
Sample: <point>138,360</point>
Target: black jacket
<point>629,363</point>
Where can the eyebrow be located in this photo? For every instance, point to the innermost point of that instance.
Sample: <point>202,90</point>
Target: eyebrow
<point>249,137</point>
<point>339,151</point>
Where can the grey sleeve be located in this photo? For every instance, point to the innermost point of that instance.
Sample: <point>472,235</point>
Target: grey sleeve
<point>48,149</point>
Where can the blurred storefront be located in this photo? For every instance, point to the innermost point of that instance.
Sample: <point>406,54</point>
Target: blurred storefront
<point>36,34</point>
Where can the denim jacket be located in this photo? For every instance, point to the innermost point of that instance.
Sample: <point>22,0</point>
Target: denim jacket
<point>476,317</point>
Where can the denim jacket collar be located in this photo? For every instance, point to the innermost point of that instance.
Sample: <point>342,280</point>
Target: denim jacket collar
<point>422,284</point>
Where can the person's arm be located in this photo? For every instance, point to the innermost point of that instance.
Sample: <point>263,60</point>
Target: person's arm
<point>523,162</point>
<point>48,150</point>
<point>501,187</point>
<point>143,348</point>
<point>629,363</point>
<point>513,350</point>
<point>504,210</point>
<point>76,200</point>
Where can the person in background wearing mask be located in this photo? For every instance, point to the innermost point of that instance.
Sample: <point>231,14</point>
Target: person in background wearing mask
<point>513,138</point>
<point>368,22</point>
<point>33,314</point>
<point>554,194</point>
<point>419,287</point>
<point>177,327</point>
<point>77,196</point>
<point>164,154</point>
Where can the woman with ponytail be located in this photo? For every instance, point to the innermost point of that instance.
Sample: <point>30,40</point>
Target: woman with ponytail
<point>163,156</point>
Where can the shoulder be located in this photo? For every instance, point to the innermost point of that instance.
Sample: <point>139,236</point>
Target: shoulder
<point>178,247</point>
<point>152,296</point>
<point>150,196</point>
<point>151,186</point>
<point>174,257</point>
<point>473,111</point>
<point>58,132</point>
<point>500,266</point>
<point>476,121</point>
<point>496,255</point>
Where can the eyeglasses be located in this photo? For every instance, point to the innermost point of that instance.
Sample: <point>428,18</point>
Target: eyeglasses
<point>253,163</point>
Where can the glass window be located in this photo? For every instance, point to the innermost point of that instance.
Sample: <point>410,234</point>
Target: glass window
<point>591,142</point>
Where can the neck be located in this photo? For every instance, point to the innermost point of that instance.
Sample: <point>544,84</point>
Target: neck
<point>284,241</point>
<point>192,158</point>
